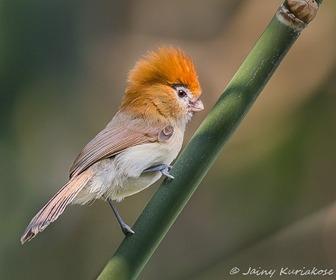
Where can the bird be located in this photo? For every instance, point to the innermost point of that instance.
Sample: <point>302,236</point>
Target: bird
<point>136,148</point>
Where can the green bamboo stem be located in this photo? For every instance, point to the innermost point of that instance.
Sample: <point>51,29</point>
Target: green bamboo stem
<point>194,162</point>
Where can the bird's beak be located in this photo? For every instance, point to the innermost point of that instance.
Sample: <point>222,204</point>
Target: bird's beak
<point>196,106</point>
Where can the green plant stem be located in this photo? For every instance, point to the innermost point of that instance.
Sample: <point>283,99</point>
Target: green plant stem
<point>194,162</point>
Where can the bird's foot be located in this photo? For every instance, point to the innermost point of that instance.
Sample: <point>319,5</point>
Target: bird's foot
<point>166,172</point>
<point>126,229</point>
<point>163,168</point>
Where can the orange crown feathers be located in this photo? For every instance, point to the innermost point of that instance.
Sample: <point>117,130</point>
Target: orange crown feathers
<point>166,66</point>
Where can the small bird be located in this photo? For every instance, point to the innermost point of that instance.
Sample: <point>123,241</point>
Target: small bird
<point>140,142</point>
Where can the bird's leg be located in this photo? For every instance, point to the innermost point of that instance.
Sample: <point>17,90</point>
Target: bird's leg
<point>126,229</point>
<point>163,168</point>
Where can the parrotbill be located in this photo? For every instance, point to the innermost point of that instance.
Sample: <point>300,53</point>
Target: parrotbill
<point>140,142</point>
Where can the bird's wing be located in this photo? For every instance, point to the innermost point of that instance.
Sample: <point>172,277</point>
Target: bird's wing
<point>118,135</point>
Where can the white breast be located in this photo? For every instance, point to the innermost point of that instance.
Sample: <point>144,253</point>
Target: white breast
<point>122,175</point>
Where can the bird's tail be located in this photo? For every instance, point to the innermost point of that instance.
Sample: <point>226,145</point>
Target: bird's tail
<point>55,206</point>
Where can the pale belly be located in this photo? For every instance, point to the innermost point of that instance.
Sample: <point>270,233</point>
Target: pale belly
<point>134,185</point>
<point>123,175</point>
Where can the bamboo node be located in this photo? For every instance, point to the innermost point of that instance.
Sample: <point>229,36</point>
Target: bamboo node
<point>297,13</point>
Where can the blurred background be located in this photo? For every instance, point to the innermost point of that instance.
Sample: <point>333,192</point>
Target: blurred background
<point>267,202</point>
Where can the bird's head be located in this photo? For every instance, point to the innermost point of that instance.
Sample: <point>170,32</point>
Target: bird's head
<point>162,86</point>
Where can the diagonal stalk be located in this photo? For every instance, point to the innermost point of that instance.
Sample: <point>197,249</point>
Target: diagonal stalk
<point>194,162</point>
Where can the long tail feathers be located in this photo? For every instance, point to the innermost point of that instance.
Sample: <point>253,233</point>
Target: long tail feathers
<point>55,206</point>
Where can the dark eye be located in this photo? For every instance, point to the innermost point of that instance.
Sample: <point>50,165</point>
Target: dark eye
<point>181,93</point>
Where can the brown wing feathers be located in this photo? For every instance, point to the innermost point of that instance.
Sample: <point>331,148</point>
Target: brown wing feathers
<point>114,139</point>
<point>55,206</point>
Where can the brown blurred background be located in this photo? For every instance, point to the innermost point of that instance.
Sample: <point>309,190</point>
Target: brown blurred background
<point>268,200</point>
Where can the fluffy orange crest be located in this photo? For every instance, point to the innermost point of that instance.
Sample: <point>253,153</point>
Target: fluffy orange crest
<point>165,66</point>
<point>152,78</point>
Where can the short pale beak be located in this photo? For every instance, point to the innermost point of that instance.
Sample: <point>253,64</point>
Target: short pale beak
<point>196,106</point>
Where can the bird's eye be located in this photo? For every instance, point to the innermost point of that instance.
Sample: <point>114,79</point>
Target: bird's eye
<point>181,93</point>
